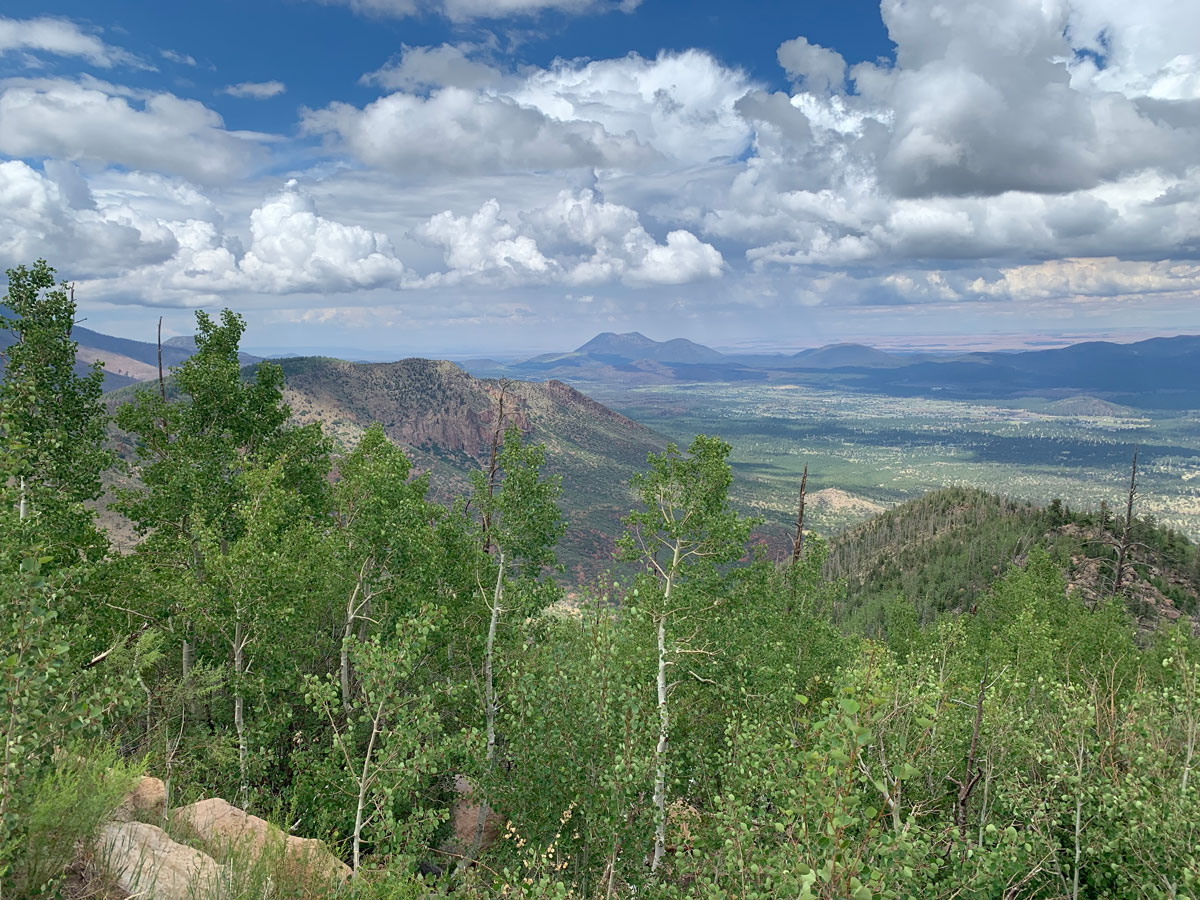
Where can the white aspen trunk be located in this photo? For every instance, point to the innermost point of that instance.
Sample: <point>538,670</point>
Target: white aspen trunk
<point>1191,749</point>
<point>664,724</point>
<point>347,632</point>
<point>364,782</point>
<point>488,680</point>
<point>1078,826</point>
<point>23,506</point>
<point>489,700</point>
<point>660,751</point>
<point>239,723</point>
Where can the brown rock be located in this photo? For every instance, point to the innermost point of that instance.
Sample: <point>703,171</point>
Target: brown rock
<point>146,802</point>
<point>226,830</point>
<point>464,818</point>
<point>146,863</point>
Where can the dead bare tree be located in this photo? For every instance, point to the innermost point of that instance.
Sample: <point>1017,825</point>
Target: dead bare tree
<point>497,434</point>
<point>162,385</point>
<point>971,770</point>
<point>798,543</point>
<point>1124,544</point>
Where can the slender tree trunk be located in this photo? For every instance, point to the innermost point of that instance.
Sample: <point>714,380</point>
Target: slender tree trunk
<point>364,783</point>
<point>491,479</point>
<point>798,543</point>
<point>162,384</point>
<point>1190,746</point>
<point>347,632</point>
<point>1078,825</point>
<point>239,723</point>
<point>185,657</point>
<point>23,506</point>
<point>1123,548</point>
<point>970,778</point>
<point>664,724</point>
<point>660,751</point>
<point>489,701</point>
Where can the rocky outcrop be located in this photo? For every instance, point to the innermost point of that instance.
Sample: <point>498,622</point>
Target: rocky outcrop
<point>145,862</point>
<point>147,802</point>
<point>226,831</point>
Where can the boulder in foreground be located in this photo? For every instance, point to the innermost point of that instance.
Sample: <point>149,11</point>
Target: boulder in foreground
<point>225,830</point>
<point>146,863</point>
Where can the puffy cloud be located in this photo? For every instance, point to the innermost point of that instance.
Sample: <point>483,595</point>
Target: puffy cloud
<point>422,68</point>
<point>255,90</point>
<point>60,37</point>
<point>461,131</point>
<point>1087,278</point>
<point>465,10</point>
<point>589,241</point>
<point>292,249</point>
<point>681,104</point>
<point>817,68</point>
<point>94,121</point>
<point>53,214</point>
<point>996,134</point>
<point>1133,50</point>
<point>630,113</point>
<point>484,246</point>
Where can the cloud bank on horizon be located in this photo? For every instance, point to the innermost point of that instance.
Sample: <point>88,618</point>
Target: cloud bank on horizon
<point>1013,164</point>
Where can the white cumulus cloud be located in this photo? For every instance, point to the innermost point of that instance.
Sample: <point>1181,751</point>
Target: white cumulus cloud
<point>95,121</point>
<point>292,249</point>
<point>578,239</point>
<point>454,130</point>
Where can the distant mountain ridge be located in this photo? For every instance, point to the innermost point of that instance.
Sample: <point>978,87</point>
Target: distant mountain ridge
<point>634,345</point>
<point>1159,373</point>
<point>833,356</point>
<point>128,361</point>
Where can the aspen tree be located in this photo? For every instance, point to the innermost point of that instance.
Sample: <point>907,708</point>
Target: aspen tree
<point>686,525</point>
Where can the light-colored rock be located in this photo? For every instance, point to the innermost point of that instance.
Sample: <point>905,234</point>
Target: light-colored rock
<point>227,831</point>
<point>464,818</point>
<point>146,863</point>
<point>147,802</point>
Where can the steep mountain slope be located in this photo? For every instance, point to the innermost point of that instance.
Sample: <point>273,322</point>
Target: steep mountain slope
<point>446,418</point>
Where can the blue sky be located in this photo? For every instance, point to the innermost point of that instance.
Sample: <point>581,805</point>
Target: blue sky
<point>461,176</point>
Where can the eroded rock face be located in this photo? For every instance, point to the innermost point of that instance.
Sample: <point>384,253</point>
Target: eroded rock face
<point>146,863</point>
<point>225,830</point>
<point>147,802</point>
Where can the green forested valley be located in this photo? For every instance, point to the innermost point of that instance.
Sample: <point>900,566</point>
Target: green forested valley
<point>965,697</point>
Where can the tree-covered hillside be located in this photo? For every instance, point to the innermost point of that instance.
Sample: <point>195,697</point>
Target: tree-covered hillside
<point>965,698</point>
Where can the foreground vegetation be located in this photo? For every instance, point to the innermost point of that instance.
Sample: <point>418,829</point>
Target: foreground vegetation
<point>315,640</point>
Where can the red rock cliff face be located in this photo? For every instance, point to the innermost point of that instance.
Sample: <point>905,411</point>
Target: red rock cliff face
<point>420,402</point>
